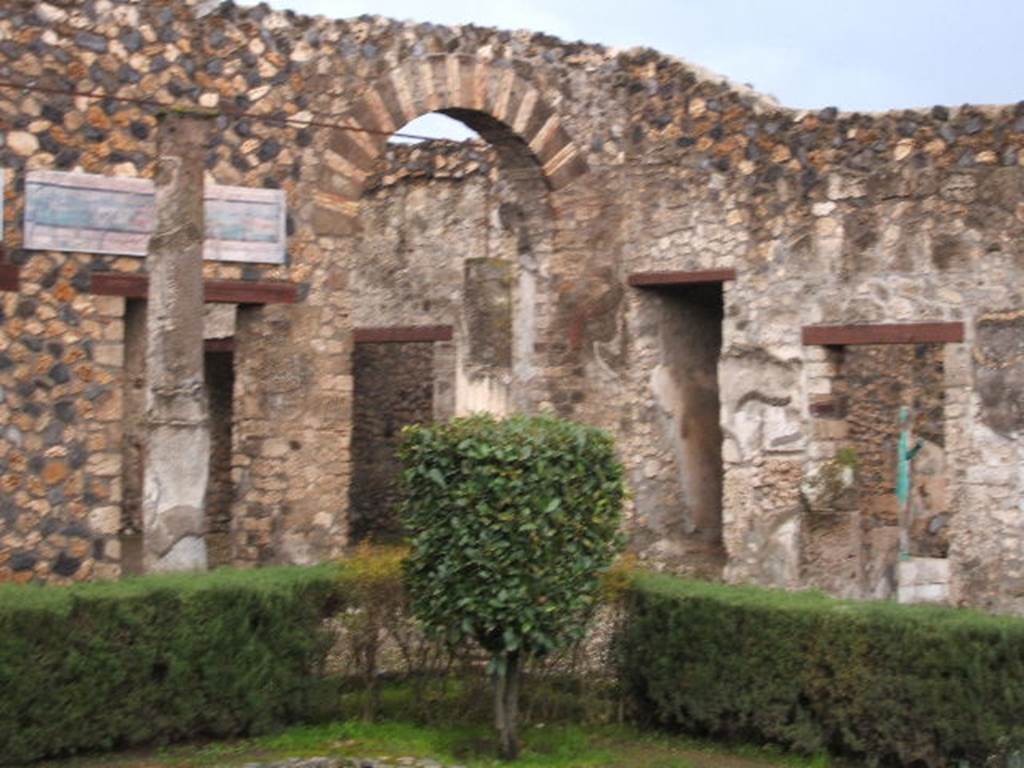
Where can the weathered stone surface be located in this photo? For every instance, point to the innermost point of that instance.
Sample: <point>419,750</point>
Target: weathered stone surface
<point>999,370</point>
<point>177,442</point>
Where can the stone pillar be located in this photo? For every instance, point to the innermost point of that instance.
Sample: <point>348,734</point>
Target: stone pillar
<point>485,363</point>
<point>176,467</point>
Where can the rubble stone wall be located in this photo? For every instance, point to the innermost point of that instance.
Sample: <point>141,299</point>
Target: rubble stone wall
<point>604,163</point>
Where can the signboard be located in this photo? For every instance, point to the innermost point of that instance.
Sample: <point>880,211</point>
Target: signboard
<point>103,214</point>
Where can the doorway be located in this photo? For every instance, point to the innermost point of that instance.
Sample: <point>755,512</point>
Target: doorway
<point>685,386</point>
<point>394,387</point>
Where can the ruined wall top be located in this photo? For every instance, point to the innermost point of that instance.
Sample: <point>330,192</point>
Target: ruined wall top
<point>433,160</point>
<point>612,102</point>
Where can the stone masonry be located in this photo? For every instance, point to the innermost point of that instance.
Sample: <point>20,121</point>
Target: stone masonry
<point>633,241</point>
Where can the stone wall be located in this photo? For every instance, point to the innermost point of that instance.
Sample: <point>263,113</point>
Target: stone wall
<point>601,164</point>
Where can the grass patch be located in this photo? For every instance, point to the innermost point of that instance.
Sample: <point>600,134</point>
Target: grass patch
<point>556,746</point>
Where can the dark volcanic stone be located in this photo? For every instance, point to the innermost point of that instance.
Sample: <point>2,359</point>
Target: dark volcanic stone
<point>76,455</point>
<point>48,144</point>
<point>131,40</point>
<point>67,157</point>
<point>139,129</point>
<point>66,565</point>
<point>53,114</point>
<point>53,434</point>
<point>82,280</point>
<point>10,49</point>
<point>22,561</point>
<point>65,411</point>
<point>60,373</point>
<point>268,150</point>
<point>91,42</point>
<point>76,530</point>
<point>128,75</point>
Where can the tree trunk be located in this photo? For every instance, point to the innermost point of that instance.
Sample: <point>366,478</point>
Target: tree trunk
<point>506,706</point>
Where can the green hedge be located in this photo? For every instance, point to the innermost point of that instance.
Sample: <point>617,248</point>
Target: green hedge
<point>159,658</point>
<point>890,684</point>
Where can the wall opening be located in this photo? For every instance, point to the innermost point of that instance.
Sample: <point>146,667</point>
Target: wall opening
<point>484,285</point>
<point>876,381</point>
<point>879,380</point>
<point>219,374</point>
<point>857,541</point>
<point>685,384</point>
<point>133,425</point>
<point>393,387</point>
<point>506,238</point>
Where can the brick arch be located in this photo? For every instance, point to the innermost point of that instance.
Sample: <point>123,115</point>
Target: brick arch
<point>495,101</point>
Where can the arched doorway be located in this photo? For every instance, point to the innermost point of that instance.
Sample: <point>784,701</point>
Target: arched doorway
<point>450,277</point>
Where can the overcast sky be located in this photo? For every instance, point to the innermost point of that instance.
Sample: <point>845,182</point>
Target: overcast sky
<point>854,54</point>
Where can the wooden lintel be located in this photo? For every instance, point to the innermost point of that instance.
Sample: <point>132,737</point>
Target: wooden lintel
<point>119,284</point>
<point>9,277</point>
<point>883,333</point>
<point>226,344</point>
<point>673,279</point>
<point>251,291</point>
<point>402,334</point>
<point>219,291</point>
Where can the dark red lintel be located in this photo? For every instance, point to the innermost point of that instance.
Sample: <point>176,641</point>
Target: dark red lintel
<point>222,291</point>
<point>883,333</point>
<point>671,279</point>
<point>224,344</point>
<point>402,334</point>
<point>9,277</point>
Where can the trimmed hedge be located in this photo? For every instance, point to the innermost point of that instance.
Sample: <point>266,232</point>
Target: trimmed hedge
<point>159,658</point>
<point>891,684</point>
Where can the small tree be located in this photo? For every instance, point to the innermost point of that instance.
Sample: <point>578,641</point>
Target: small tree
<point>511,522</point>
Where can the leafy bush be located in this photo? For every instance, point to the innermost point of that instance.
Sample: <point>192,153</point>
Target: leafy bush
<point>907,685</point>
<point>379,637</point>
<point>512,522</point>
<point>392,670</point>
<point>159,658</point>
